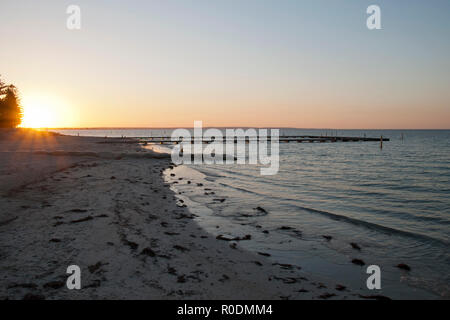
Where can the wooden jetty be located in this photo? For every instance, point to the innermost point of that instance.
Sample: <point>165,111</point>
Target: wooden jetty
<point>281,139</point>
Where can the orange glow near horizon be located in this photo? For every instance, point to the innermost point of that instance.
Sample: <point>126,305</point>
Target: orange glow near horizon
<point>67,111</point>
<point>45,111</point>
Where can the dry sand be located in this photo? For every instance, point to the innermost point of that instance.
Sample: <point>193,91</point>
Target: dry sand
<point>106,208</point>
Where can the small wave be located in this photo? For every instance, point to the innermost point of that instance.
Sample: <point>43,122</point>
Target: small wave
<point>374,226</point>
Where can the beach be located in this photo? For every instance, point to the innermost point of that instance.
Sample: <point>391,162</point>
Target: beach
<point>102,204</point>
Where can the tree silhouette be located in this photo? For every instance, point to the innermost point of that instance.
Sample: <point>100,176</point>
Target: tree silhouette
<point>10,110</point>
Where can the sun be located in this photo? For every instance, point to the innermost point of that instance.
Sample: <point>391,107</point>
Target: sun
<point>40,111</point>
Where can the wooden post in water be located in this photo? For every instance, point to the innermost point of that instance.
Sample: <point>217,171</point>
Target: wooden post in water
<point>381,142</point>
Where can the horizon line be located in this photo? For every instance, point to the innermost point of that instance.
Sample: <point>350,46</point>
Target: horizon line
<point>224,127</point>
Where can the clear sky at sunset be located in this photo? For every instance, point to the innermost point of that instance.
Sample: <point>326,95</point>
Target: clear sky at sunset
<point>280,63</point>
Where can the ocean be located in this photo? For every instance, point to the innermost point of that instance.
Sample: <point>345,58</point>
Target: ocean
<point>392,202</point>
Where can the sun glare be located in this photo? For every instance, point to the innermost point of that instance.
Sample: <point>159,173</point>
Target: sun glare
<point>42,112</point>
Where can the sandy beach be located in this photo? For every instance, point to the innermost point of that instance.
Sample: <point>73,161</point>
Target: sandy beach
<point>106,208</point>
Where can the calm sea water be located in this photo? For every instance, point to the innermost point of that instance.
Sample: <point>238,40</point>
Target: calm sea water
<point>393,202</point>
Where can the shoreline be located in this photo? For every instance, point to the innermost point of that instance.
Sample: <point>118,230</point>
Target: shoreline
<point>119,221</point>
<point>203,195</point>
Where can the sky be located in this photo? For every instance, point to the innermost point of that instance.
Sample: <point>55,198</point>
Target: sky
<point>248,63</point>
